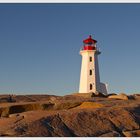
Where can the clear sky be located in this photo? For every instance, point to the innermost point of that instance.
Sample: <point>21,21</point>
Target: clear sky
<point>40,43</point>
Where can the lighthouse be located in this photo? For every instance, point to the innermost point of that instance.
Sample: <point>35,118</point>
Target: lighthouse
<point>90,77</point>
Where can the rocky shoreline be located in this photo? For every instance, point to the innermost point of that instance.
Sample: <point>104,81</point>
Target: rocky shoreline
<point>70,116</point>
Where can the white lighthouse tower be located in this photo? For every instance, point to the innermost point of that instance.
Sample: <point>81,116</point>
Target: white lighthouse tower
<point>90,78</point>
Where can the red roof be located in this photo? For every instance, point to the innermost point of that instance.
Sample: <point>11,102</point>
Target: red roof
<point>89,40</point>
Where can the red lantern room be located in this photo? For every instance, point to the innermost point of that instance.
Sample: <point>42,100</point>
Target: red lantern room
<point>89,44</point>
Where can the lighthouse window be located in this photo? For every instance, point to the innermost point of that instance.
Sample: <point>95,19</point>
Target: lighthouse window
<point>90,86</point>
<point>90,72</point>
<point>90,59</point>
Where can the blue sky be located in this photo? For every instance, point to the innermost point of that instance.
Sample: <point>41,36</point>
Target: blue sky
<point>40,43</point>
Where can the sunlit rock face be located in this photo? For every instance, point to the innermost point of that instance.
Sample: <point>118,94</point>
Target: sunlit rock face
<point>70,116</point>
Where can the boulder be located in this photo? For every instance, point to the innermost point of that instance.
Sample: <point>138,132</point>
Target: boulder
<point>111,94</point>
<point>136,96</point>
<point>121,96</point>
<point>111,134</point>
<point>90,105</point>
<point>134,133</point>
<point>98,94</point>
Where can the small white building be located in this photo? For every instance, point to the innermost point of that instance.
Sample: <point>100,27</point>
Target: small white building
<point>90,77</point>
